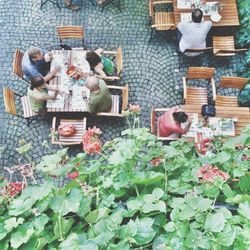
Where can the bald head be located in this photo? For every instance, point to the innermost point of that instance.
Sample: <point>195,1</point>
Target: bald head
<point>92,83</point>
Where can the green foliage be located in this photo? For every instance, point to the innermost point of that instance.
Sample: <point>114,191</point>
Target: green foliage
<point>123,200</point>
<point>243,35</point>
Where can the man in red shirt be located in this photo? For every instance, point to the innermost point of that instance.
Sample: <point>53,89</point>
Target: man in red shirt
<point>170,122</point>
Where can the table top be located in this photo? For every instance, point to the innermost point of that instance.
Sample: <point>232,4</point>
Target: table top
<point>242,114</point>
<point>76,96</point>
<point>229,14</point>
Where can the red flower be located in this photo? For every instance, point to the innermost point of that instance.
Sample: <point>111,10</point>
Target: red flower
<point>14,188</point>
<point>91,142</point>
<point>156,161</point>
<point>208,173</point>
<point>203,146</point>
<point>73,175</point>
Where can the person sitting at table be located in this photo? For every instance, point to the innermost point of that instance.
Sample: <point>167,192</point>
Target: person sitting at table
<point>100,99</point>
<point>169,124</point>
<point>36,63</point>
<point>193,35</point>
<point>99,64</point>
<point>38,94</point>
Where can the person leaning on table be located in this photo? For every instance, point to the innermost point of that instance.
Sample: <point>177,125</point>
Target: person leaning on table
<point>100,99</point>
<point>38,94</point>
<point>169,124</point>
<point>193,35</point>
<point>36,63</point>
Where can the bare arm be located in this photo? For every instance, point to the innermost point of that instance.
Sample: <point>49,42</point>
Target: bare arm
<point>51,74</point>
<point>48,97</point>
<point>99,70</point>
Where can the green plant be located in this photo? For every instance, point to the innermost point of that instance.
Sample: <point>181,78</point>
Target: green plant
<point>136,194</point>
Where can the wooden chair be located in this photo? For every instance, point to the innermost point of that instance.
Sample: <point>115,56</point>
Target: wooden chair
<point>115,110</point>
<point>17,64</point>
<point>154,124</point>
<point>198,95</point>
<point>116,57</point>
<point>195,51</point>
<point>70,32</point>
<point>80,128</point>
<point>10,105</point>
<point>161,20</point>
<point>230,82</point>
<point>225,46</point>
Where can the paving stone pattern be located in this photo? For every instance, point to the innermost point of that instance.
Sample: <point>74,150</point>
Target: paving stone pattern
<point>152,70</point>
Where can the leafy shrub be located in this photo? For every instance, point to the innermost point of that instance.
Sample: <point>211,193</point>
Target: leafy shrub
<point>136,194</point>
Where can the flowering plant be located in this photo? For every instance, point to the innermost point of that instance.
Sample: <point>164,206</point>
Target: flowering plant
<point>91,142</point>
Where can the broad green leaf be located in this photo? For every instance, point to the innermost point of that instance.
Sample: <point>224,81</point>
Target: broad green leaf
<point>149,198</point>
<point>204,204</point>
<point>103,239</point>
<point>85,206</point>
<point>62,226</point>
<point>145,232</point>
<point>73,242</point>
<point>187,213</point>
<point>158,193</point>
<point>170,227</point>
<point>4,244</point>
<point>160,243</point>
<point>227,191</point>
<point>158,206</point>
<point>88,245</point>
<point>244,183</point>
<point>96,215</point>
<point>63,205</point>
<point>244,209</point>
<point>29,197</point>
<point>124,245</point>
<point>222,157</point>
<point>215,222</point>
<point>39,223</point>
<point>12,223</point>
<point>128,231</point>
<point>171,151</point>
<point>147,178</point>
<point>227,236</point>
<point>21,235</point>
<point>134,204</point>
<point>177,202</point>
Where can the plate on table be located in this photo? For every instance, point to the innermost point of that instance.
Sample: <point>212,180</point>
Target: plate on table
<point>215,17</point>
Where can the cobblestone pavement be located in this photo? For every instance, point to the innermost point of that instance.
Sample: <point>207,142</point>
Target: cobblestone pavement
<point>152,70</point>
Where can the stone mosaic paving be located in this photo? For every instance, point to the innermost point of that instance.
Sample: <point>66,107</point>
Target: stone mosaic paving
<point>152,70</point>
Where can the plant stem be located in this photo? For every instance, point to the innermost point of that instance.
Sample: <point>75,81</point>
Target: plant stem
<point>143,247</point>
<point>136,190</point>
<point>60,227</point>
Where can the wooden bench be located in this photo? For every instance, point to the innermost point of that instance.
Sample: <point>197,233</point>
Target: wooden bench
<point>80,128</point>
<point>115,112</point>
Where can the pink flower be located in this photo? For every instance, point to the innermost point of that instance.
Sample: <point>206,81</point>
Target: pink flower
<point>156,161</point>
<point>134,108</point>
<point>91,142</point>
<point>73,175</point>
<point>209,173</point>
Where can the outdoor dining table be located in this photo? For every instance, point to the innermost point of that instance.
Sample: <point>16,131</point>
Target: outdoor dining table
<point>75,95</point>
<point>241,115</point>
<point>228,12</point>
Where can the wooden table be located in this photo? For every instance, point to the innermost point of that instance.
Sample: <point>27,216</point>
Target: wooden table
<point>229,14</point>
<point>65,58</point>
<point>242,114</point>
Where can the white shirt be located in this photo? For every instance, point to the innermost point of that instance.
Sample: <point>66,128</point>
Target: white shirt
<point>193,34</point>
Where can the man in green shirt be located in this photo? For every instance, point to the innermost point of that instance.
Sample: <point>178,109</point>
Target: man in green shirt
<point>100,100</point>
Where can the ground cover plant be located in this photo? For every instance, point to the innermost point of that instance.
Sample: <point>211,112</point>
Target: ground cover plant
<point>131,193</point>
